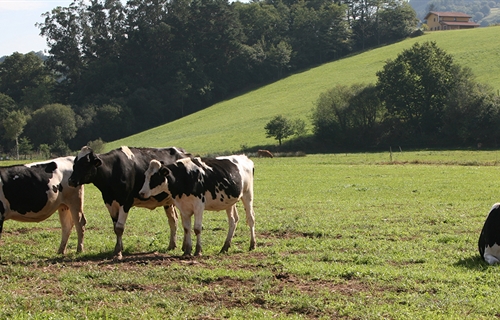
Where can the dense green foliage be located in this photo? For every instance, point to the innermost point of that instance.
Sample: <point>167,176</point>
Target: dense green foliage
<point>422,98</point>
<point>363,239</point>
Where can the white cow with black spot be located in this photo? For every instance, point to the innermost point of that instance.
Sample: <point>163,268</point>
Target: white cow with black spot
<point>198,184</point>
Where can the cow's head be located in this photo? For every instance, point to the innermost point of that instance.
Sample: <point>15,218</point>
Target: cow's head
<point>155,180</point>
<point>84,168</point>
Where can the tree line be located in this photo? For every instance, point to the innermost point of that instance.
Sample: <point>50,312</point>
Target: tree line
<point>423,98</point>
<point>116,69</point>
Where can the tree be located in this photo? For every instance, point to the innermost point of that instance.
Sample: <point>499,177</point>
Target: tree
<point>347,115</point>
<point>279,128</point>
<point>26,79</point>
<point>25,146</point>
<point>397,21</point>
<point>7,104</point>
<point>472,114</point>
<point>330,118</point>
<point>52,124</point>
<point>415,88</point>
<point>14,125</point>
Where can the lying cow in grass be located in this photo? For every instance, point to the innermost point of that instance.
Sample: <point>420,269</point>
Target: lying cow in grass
<point>489,240</point>
<point>198,184</point>
<point>33,192</point>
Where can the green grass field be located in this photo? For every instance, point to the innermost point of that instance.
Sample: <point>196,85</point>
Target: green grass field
<point>351,236</point>
<point>239,122</point>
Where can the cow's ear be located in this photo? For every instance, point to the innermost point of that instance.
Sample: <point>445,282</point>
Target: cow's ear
<point>164,171</point>
<point>97,162</point>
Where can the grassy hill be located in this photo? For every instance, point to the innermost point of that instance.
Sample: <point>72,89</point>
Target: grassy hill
<point>240,121</point>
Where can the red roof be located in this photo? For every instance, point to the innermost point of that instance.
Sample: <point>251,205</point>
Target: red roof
<point>448,14</point>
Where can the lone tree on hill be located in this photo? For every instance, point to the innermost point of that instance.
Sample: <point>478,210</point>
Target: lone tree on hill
<point>281,128</point>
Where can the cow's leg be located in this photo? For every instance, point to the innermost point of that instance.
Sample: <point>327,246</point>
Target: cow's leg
<point>232,219</point>
<point>2,219</point>
<point>172,217</point>
<point>66,226</point>
<point>198,224</point>
<point>490,259</point>
<point>247,200</point>
<point>119,228</point>
<point>79,220</point>
<point>187,245</point>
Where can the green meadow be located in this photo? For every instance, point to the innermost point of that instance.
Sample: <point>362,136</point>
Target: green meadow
<point>353,236</point>
<point>237,123</point>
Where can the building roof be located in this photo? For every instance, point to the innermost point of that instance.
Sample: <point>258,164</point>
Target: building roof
<point>448,14</point>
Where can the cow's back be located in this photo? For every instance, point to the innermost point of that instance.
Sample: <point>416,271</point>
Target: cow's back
<point>245,168</point>
<point>34,191</point>
<point>125,168</point>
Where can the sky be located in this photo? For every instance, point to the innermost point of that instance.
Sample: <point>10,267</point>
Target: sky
<point>17,24</point>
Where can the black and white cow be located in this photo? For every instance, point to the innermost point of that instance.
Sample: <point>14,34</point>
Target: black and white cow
<point>489,240</point>
<point>197,184</point>
<point>33,192</point>
<point>119,174</point>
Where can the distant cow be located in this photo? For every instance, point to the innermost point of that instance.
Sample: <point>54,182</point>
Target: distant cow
<point>33,192</point>
<point>197,184</point>
<point>264,153</point>
<point>489,240</point>
<point>119,174</point>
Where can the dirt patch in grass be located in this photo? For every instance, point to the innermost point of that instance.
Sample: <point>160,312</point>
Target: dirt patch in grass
<point>274,290</point>
<point>239,293</point>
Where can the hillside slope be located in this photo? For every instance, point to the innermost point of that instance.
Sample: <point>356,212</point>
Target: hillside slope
<point>240,121</point>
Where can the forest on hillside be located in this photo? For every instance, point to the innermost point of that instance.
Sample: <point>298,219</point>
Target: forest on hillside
<point>114,70</point>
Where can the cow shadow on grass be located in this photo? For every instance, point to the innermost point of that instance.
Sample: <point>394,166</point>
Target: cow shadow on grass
<point>474,262</point>
<point>153,257</point>
<point>105,258</point>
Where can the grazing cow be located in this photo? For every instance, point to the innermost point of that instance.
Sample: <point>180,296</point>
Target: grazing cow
<point>119,174</point>
<point>264,154</point>
<point>197,184</point>
<point>489,240</point>
<point>33,192</point>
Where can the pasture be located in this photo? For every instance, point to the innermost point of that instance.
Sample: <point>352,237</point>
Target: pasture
<point>338,236</point>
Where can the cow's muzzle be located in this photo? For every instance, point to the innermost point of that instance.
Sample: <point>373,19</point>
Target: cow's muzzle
<point>73,183</point>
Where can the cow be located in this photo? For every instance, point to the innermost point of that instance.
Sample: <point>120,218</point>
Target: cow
<point>489,239</point>
<point>119,174</point>
<point>33,192</point>
<point>198,184</point>
<point>264,154</point>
